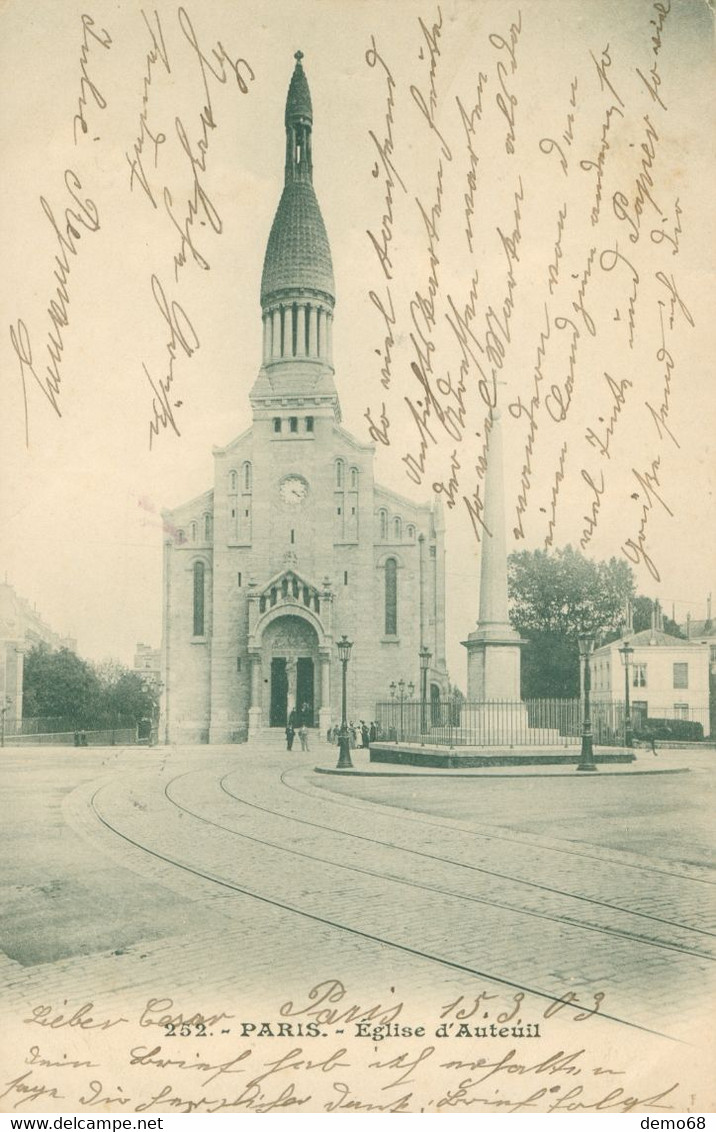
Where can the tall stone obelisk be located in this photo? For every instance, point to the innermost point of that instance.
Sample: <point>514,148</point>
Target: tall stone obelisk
<point>493,648</point>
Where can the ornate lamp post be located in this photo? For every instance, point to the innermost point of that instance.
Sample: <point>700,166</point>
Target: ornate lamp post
<point>586,759</point>
<point>397,691</point>
<point>344,747</point>
<point>625,654</point>
<point>425,657</point>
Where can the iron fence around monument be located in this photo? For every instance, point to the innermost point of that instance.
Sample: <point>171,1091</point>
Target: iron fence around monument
<point>453,723</point>
<point>529,723</point>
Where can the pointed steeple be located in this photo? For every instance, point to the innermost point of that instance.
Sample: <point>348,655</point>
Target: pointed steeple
<point>297,288</point>
<point>298,256</point>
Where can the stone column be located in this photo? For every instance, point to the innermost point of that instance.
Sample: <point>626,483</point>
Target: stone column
<point>276,334</point>
<point>493,648</point>
<point>267,338</point>
<point>292,674</point>
<point>255,694</point>
<point>320,333</point>
<point>325,714</point>
<point>313,332</point>
<point>329,338</point>
<point>287,347</point>
<point>301,332</point>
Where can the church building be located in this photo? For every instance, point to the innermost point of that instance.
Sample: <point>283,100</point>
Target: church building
<point>296,544</point>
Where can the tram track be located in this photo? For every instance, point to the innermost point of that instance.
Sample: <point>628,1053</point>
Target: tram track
<point>435,823</point>
<point>383,940</point>
<point>498,876</point>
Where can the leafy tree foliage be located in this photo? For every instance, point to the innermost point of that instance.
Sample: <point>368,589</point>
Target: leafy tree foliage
<point>90,697</point>
<point>555,597</point>
<point>642,608</point>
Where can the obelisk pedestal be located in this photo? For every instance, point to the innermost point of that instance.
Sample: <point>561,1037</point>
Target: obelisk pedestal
<point>493,648</point>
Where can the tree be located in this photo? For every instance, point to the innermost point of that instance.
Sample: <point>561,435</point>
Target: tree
<point>90,697</point>
<point>642,609</point>
<point>129,697</point>
<point>60,684</point>
<point>555,597</point>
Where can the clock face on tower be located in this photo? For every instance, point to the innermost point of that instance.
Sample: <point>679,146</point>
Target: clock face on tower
<point>293,490</point>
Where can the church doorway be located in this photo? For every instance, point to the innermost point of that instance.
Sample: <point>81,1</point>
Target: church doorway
<point>304,690</point>
<point>290,653</point>
<point>278,714</point>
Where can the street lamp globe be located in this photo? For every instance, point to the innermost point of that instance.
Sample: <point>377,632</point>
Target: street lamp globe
<point>344,649</point>
<point>625,654</point>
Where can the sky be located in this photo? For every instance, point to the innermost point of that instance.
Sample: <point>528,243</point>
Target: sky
<point>448,141</point>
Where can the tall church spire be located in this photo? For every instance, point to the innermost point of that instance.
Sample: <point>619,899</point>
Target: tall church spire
<point>299,123</point>
<point>297,288</point>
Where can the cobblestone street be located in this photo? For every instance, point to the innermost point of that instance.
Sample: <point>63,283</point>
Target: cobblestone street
<point>239,873</point>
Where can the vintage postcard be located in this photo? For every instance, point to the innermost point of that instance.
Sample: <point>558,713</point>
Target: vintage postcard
<point>357,413</point>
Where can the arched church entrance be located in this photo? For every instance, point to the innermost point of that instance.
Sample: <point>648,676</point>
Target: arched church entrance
<point>290,657</point>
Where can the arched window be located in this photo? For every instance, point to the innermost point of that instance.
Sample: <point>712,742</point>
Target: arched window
<point>397,528</point>
<point>339,473</point>
<point>383,520</point>
<point>233,481</point>
<point>391,597</point>
<point>199,599</point>
<point>354,479</point>
<point>207,528</point>
<point>411,532</point>
<point>192,531</point>
<point>180,538</point>
<point>246,476</point>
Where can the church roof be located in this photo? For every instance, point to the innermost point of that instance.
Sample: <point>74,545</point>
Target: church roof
<point>298,256</point>
<point>298,102</point>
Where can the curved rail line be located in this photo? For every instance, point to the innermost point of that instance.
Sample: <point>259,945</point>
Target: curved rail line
<point>326,922</point>
<point>486,872</point>
<point>340,800</point>
<point>575,923</point>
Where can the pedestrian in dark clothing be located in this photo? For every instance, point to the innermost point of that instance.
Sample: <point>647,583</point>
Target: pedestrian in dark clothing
<point>373,733</point>
<point>289,737</point>
<point>364,735</point>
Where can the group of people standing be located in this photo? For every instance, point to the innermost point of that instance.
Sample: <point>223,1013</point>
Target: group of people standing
<point>360,734</point>
<point>367,733</point>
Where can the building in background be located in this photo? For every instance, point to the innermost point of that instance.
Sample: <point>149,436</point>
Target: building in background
<point>21,628</point>
<point>704,631</point>
<point>668,677</point>
<point>296,544</point>
<point>148,664</point>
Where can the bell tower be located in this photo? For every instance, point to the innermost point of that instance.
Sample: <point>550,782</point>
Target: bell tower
<point>297,288</point>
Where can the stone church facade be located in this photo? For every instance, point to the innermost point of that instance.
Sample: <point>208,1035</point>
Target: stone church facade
<point>296,544</point>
